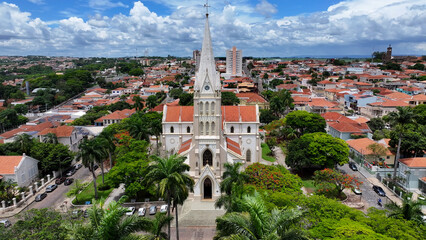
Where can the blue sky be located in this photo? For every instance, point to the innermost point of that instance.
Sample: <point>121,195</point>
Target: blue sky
<point>259,27</point>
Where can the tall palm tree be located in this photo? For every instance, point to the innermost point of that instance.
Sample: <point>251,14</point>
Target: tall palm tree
<point>171,177</point>
<point>156,128</point>
<point>232,175</point>
<point>50,138</point>
<point>24,142</point>
<point>108,142</point>
<point>101,146</point>
<point>256,222</point>
<point>410,210</point>
<point>154,227</point>
<point>89,153</point>
<point>137,127</point>
<point>400,120</point>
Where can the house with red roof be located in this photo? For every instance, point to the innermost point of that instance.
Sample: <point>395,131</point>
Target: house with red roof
<point>67,135</point>
<point>114,117</point>
<point>382,107</point>
<point>360,151</point>
<point>343,127</point>
<point>252,99</point>
<point>410,173</point>
<point>20,169</point>
<point>29,128</point>
<point>321,105</point>
<point>326,84</point>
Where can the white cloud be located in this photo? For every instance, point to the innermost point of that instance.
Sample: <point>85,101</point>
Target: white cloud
<point>349,27</point>
<point>39,2</point>
<point>105,4</point>
<point>266,8</point>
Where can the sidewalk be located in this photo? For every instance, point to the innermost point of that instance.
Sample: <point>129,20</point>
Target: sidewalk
<point>115,195</point>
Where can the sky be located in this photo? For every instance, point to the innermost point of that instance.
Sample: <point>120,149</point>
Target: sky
<point>260,28</point>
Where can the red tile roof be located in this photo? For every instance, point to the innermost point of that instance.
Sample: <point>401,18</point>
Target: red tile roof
<point>229,114</point>
<point>233,146</point>
<point>117,115</point>
<point>8,164</point>
<point>389,103</point>
<point>418,162</point>
<point>61,131</point>
<point>321,102</point>
<point>185,146</point>
<point>251,97</point>
<point>361,145</point>
<point>27,128</point>
<point>335,117</point>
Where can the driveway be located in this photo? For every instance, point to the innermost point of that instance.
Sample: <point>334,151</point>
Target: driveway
<point>56,198</point>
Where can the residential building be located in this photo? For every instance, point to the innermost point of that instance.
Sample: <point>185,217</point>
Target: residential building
<point>411,171</point>
<point>20,169</point>
<point>67,135</point>
<point>234,63</point>
<point>361,153</point>
<point>114,117</point>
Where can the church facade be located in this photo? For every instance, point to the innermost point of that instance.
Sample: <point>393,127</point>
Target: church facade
<point>209,134</point>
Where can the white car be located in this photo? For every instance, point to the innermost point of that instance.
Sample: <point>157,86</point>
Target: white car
<point>163,208</point>
<point>130,211</point>
<point>141,211</point>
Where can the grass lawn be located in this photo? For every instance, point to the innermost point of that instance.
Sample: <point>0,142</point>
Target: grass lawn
<point>89,192</point>
<point>309,184</point>
<point>265,152</point>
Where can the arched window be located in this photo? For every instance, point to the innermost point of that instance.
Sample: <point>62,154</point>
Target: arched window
<point>249,129</point>
<point>201,108</point>
<point>172,129</point>
<point>212,106</point>
<point>207,108</point>
<point>207,158</point>
<point>202,128</point>
<point>213,128</point>
<point>188,129</point>
<point>232,129</point>
<point>248,156</point>
<point>207,128</point>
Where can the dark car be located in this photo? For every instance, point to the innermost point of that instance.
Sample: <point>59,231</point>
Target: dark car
<point>68,181</point>
<point>76,213</point>
<point>40,197</point>
<point>51,188</point>
<point>353,166</point>
<point>60,180</point>
<point>71,171</point>
<point>379,190</point>
<point>95,167</point>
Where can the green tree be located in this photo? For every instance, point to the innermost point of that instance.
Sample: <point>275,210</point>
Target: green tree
<point>281,102</point>
<point>152,101</point>
<point>138,105</point>
<point>317,150</point>
<point>76,189</point>
<point>377,150</point>
<point>8,190</point>
<point>257,222</point>
<point>399,121</point>
<point>138,126</point>
<point>304,122</point>
<point>90,153</point>
<point>25,142</point>
<point>21,108</point>
<point>136,72</point>
<point>52,157</point>
<point>229,98</point>
<point>50,138</point>
<point>275,82</point>
<point>267,116</point>
<point>376,124</point>
<point>410,210</point>
<point>331,182</point>
<point>171,177</point>
<point>186,99</point>
<point>420,114</point>
<point>155,227</point>
<point>9,118</point>
<point>175,93</point>
<point>108,142</point>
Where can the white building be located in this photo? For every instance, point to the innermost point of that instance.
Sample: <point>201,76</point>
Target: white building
<point>21,169</point>
<point>209,134</point>
<point>234,63</point>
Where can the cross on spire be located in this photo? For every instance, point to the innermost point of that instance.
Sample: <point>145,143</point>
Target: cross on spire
<point>206,5</point>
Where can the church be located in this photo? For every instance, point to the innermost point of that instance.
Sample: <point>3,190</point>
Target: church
<point>208,134</point>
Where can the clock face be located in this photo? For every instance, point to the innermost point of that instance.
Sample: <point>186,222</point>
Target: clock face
<point>207,87</point>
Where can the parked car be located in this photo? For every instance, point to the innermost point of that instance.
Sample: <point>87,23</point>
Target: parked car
<point>6,223</point>
<point>379,191</point>
<point>141,211</point>
<point>78,166</point>
<point>95,166</point>
<point>130,211</point>
<point>60,180</point>
<point>76,213</point>
<point>68,181</point>
<point>163,208</point>
<point>71,172</point>
<point>353,166</point>
<point>40,197</point>
<point>51,188</point>
<point>357,191</point>
<point>85,214</point>
<point>152,210</point>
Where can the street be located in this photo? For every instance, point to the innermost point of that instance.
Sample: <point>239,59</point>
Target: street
<point>57,197</point>
<point>368,195</point>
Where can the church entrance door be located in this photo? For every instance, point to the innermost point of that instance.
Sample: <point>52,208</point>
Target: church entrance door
<point>207,188</point>
<point>207,158</point>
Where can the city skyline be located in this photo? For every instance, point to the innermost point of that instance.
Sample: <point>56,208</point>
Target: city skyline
<point>261,28</point>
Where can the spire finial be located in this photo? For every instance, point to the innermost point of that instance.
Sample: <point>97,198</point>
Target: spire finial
<point>206,5</point>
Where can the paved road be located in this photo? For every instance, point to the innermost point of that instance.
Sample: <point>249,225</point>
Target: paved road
<point>57,197</point>
<point>368,195</point>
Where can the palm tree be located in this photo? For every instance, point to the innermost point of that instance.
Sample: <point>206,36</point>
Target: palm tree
<point>109,224</point>
<point>256,222</point>
<point>232,175</point>
<point>50,138</point>
<point>155,226</point>
<point>89,153</point>
<point>137,127</point>
<point>24,142</point>
<point>138,105</point>
<point>108,142</point>
<point>169,174</point>
<point>410,210</point>
<point>156,129</point>
<point>101,146</point>
<point>400,120</point>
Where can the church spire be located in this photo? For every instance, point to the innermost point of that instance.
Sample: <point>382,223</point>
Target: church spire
<point>207,73</point>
